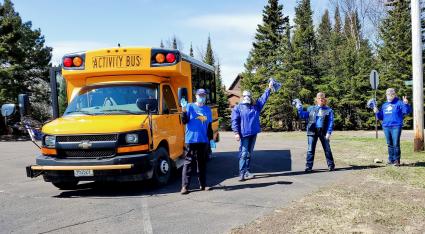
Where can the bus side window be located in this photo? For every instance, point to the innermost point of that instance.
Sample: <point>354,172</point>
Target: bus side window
<point>168,104</point>
<point>195,81</point>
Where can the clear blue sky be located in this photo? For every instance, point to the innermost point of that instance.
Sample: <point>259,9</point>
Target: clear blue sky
<point>77,25</point>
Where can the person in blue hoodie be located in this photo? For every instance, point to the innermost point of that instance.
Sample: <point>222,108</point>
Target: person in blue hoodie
<point>246,126</point>
<point>320,125</point>
<point>391,114</point>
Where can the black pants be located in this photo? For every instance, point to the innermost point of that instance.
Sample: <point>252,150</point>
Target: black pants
<point>195,161</point>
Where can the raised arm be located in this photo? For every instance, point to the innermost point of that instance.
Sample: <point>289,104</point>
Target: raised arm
<point>302,114</point>
<point>263,99</point>
<point>185,115</point>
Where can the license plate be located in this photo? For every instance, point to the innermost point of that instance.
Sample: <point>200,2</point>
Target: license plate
<point>82,173</point>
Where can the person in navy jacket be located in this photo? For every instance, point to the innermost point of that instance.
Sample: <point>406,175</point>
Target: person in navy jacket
<point>391,114</point>
<point>246,126</point>
<point>320,125</point>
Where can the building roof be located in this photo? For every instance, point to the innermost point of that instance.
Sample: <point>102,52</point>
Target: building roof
<point>235,82</point>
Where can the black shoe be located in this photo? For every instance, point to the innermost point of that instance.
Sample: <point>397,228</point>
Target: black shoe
<point>204,188</point>
<point>331,169</point>
<point>184,191</point>
<point>308,170</point>
<point>397,163</point>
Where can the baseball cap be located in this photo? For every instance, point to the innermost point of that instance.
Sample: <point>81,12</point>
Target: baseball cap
<point>201,92</point>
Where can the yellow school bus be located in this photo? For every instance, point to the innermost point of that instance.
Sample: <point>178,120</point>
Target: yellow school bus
<point>123,120</point>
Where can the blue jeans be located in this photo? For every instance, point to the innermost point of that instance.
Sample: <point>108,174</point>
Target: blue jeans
<point>392,134</point>
<point>245,153</point>
<point>312,141</point>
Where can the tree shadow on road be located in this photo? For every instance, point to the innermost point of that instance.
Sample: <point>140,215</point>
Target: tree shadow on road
<point>223,166</point>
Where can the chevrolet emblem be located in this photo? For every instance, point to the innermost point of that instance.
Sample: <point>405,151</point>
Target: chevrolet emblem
<point>84,145</point>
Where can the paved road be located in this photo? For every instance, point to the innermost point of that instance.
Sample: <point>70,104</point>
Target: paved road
<point>33,206</point>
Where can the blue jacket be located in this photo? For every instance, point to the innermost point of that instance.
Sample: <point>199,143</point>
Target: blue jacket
<point>314,114</point>
<point>246,117</point>
<point>392,113</point>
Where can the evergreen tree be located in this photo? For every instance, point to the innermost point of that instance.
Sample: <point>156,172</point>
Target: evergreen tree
<point>337,18</point>
<point>395,52</point>
<point>324,49</point>
<point>268,38</point>
<point>221,95</point>
<point>191,50</point>
<point>305,51</point>
<point>266,59</point>
<point>24,60</point>
<point>209,54</point>
<point>161,45</point>
<point>174,42</point>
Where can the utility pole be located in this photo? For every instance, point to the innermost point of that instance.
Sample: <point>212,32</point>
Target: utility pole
<point>418,92</point>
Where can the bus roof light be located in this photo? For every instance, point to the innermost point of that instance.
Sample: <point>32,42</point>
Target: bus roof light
<point>171,58</point>
<point>67,62</point>
<point>77,61</point>
<point>160,58</point>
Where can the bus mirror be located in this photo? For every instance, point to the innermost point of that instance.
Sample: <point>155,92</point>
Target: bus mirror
<point>182,93</point>
<point>7,110</point>
<point>24,104</point>
<point>147,105</point>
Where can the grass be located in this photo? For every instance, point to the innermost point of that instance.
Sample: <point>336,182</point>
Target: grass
<point>385,199</point>
<point>363,150</point>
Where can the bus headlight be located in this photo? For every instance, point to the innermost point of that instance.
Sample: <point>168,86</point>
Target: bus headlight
<point>132,138</point>
<point>50,141</point>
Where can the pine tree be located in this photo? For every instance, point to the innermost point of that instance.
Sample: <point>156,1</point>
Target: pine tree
<point>174,42</point>
<point>209,54</point>
<point>324,49</point>
<point>161,45</point>
<point>191,50</point>
<point>24,61</point>
<point>268,37</point>
<point>305,51</point>
<point>221,95</point>
<point>266,59</point>
<point>394,54</point>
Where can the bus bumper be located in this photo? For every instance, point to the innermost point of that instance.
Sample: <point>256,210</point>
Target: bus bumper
<point>133,167</point>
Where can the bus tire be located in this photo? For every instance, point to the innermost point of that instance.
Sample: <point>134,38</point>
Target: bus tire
<point>162,169</point>
<point>66,185</point>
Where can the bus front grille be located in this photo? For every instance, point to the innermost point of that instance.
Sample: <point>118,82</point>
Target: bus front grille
<point>87,154</point>
<point>78,138</point>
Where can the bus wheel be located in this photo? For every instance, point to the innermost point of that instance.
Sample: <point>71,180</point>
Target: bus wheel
<point>66,185</point>
<point>162,168</point>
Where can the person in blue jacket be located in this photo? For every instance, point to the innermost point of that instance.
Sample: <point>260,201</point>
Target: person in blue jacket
<point>392,113</point>
<point>320,125</point>
<point>246,126</point>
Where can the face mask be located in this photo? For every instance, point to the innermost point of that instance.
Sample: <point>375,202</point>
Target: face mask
<point>200,100</point>
<point>246,99</point>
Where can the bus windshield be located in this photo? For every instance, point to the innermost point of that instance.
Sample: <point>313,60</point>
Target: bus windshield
<point>114,99</point>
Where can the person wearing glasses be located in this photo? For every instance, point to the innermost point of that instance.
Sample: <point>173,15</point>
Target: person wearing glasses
<point>391,114</point>
<point>246,126</point>
<point>320,119</point>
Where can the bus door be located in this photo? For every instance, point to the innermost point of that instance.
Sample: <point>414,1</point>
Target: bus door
<point>171,123</point>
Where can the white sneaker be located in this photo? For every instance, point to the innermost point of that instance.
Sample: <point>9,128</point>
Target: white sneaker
<point>248,176</point>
